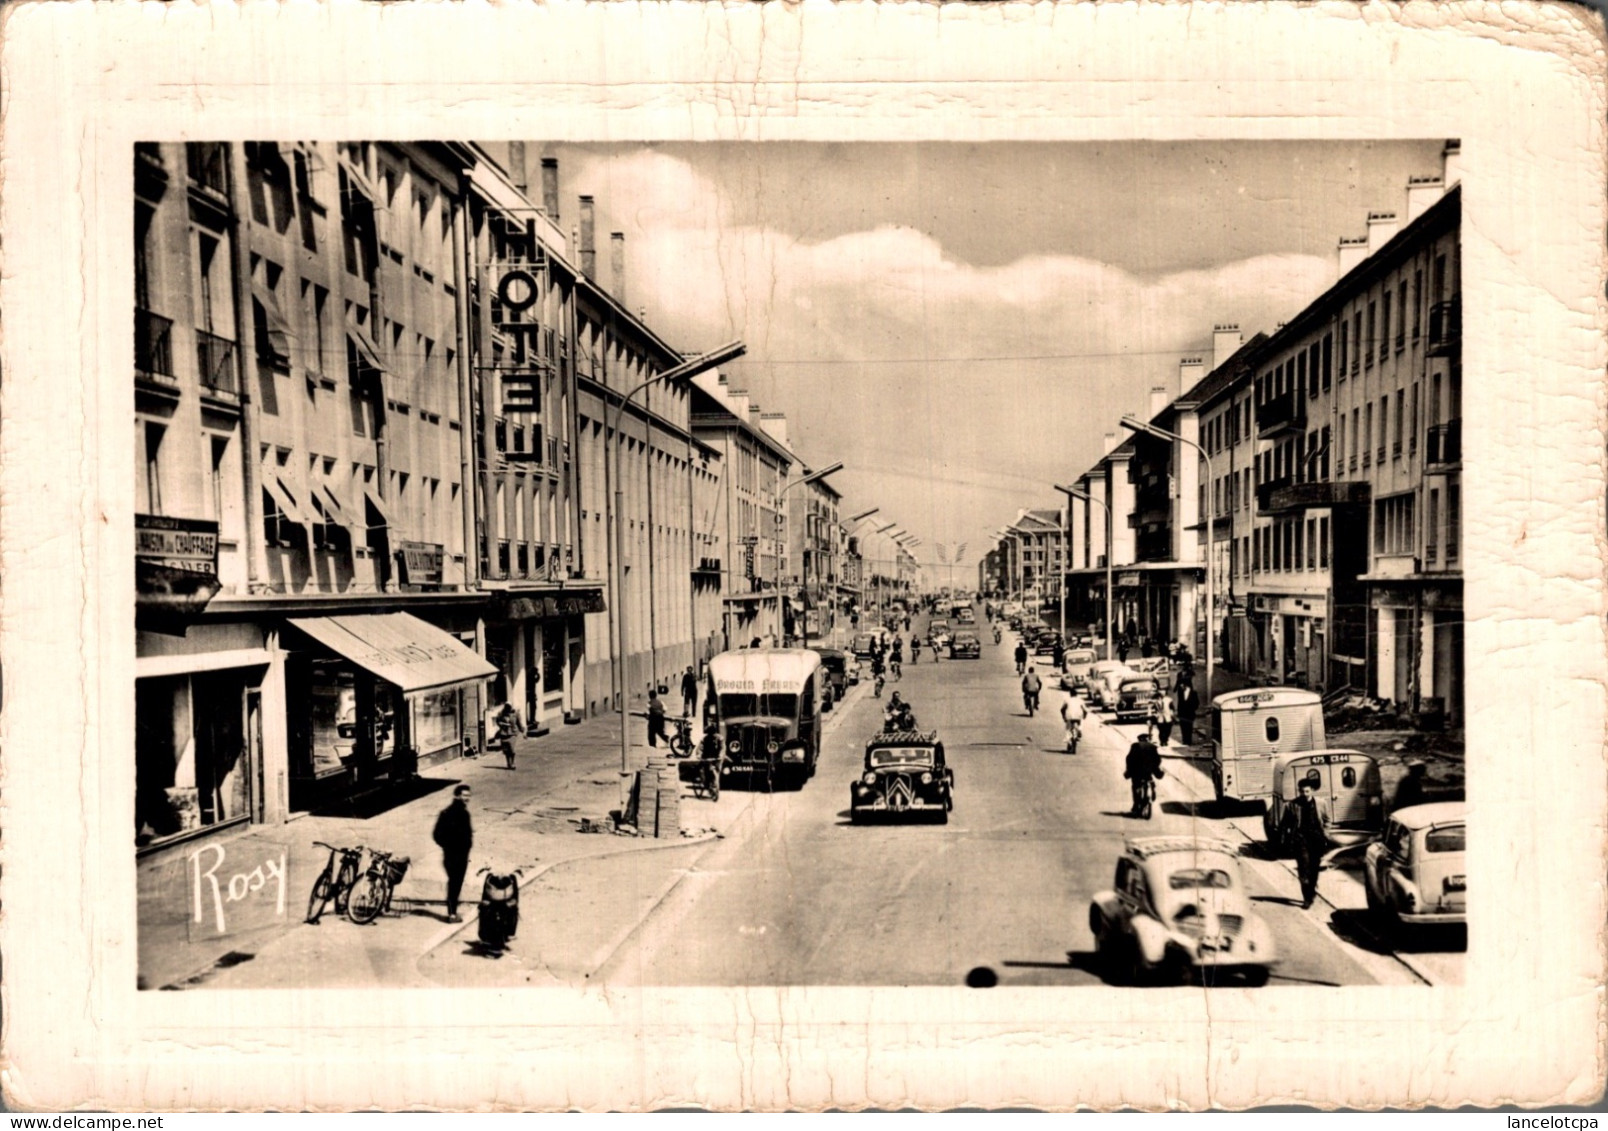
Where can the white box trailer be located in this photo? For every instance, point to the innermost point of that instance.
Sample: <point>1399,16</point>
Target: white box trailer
<point>1251,728</point>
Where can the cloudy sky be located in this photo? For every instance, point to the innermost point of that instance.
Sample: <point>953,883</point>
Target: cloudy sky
<point>960,323</point>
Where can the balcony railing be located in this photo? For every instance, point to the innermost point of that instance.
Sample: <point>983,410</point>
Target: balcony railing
<point>1265,491</point>
<point>1444,443</point>
<point>1285,411</point>
<point>215,359</point>
<point>1445,327</point>
<point>153,346</point>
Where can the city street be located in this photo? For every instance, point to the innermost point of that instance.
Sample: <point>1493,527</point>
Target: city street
<point>795,895</point>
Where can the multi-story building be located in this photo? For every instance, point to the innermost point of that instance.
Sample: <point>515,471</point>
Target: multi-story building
<point>813,556</point>
<point>756,466</point>
<point>1368,483</point>
<point>1224,405</point>
<point>375,405</point>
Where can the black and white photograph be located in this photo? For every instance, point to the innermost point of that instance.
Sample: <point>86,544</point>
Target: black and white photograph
<point>764,557</point>
<point>1095,508</point>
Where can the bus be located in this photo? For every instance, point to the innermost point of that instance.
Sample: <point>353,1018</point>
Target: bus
<point>768,705</point>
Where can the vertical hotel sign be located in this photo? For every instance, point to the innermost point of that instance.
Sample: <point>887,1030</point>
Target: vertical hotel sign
<point>175,570</point>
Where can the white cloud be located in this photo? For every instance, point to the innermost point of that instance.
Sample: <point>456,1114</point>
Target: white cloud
<point>857,339</point>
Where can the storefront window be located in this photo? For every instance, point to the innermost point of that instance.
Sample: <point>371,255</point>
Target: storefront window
<point>191,757</point>
<point>332,713</point>
<point>436,721</point>
<point>552,657</point>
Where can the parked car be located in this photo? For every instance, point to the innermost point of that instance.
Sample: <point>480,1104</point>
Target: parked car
<point>1015,622</point>
<point>905,775</point>
<point>1105,678</point>
<point>1348,788</point>
<point>938,633</point>
<point>966,646</point>
<point>1077,669</point>
<point>864,646</point>
<point>1179,909</point>
<point>1137,697</point>
<point>1414,873</point>
<point>835,665</point>
<point>1046,643</point>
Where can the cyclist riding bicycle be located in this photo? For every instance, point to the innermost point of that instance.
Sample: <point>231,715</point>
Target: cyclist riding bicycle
<point>1073,712</point>
<point>1143,767</point>
<point>1031,685</point>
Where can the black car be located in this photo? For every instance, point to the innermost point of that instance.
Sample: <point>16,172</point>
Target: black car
<point>904,775</point>
<point>835,663</point>
<point>966,647</point>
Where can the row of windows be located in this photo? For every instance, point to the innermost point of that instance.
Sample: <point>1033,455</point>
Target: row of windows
<point>1286,547</point>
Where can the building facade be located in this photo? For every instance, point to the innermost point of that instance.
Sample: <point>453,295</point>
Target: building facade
<point>756,466</point>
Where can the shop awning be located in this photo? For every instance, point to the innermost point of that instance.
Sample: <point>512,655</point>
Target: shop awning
<point>399,648</point>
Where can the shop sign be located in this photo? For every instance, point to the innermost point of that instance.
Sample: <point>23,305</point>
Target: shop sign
<point>175,570</point>
<point>422,562</point>
<point>186,544</point>
<point>1128,580</point>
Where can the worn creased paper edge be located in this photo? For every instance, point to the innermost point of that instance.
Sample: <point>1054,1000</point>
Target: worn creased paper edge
<point>1522,87</point>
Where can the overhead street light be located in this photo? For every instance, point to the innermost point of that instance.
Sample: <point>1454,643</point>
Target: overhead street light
<point>1075,493</point>
<point>864,514</point>
<point>676,374</point>
<point>1134,424</point>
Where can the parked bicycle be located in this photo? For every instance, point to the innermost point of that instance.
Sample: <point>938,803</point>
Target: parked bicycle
<point>371,895</point>
<point>335,882</point>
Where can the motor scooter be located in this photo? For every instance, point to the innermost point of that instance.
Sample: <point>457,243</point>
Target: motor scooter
<point>499,910</point>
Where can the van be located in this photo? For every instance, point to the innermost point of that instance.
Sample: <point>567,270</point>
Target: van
<point>1348,789</point>
<point>1251,728</point>
<point>768,713</point>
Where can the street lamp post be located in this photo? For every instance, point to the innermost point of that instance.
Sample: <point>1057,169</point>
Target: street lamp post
<point>686,370</point>
<point>781,503</point>
<point>1134,424</point>
<point>1089,498</point>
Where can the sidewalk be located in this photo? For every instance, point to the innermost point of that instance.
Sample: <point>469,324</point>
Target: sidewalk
<point>526,817</point>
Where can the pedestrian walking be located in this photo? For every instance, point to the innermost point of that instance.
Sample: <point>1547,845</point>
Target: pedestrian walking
<point>1146,649</point>
<point>1186,707</point>
<point>1410,790</point>
<point>655,718</point>
<point>455,834</point>
<point>1058,656</point>
<point>1122,650</point>
<point>1164,721</point>
<point>689,693</point>
<point>507,731</point>
<point>1021,658</point>
<point>1304,828</point>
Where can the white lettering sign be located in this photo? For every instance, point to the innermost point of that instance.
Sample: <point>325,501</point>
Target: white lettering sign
<point>210,892</point>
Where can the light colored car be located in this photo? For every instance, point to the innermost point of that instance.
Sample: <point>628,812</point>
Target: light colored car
<point>938,632</point>
<point>1414,873</point>
<point>1104,681</point>
<point>1077,669</point>
<point>1179,909</point>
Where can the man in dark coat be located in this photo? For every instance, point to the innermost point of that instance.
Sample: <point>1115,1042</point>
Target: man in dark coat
<point>1058,657</point>
<point>1186,708</point>
<point>1303,828</point>
<point>1021,658</point>
<point>455,833</point>
<point>689,693</point>
<point>1142,765</point>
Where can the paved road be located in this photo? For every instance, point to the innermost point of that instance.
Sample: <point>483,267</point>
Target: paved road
<point>797,895</point>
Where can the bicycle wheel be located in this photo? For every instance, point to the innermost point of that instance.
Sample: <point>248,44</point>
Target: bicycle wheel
<point>341,891</point>
<point>368,897</point>
<point>680,745</point>
<point>318,899</point>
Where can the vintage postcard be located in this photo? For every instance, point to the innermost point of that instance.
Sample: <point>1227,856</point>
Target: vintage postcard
<point>797,557</point>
